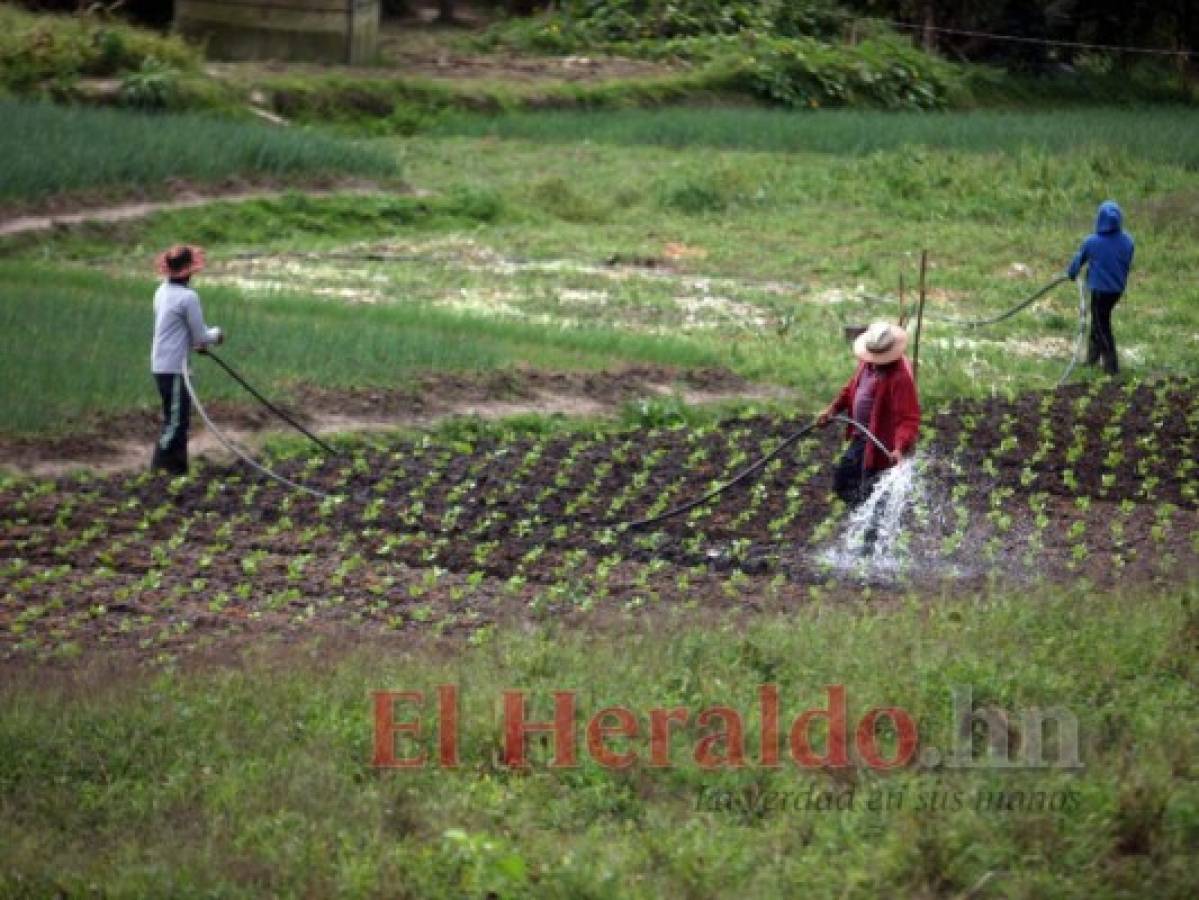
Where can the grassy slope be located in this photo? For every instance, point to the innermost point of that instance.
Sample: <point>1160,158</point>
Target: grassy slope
<point>38,50</point>
<point>257,779</point>
<point>881,188</point>
<point>48,55</point>
<point>856,213</point>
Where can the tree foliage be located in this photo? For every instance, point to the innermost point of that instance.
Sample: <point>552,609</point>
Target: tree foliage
<point>1167,25</point>
<point>1157,24</point>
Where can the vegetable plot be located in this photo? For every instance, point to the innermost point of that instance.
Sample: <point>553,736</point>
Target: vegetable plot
<point>461,534</point>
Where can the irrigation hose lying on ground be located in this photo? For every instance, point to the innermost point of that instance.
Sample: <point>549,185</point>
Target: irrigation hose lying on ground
<point>671,513</point>
<point>267,403</point>
<point>640,523</point>
<point>1082,333</point>
<point>1022,305</point>
<point>751,469</point>
<point>237,451</point>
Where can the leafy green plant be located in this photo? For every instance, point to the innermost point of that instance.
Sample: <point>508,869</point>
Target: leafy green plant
<point>154,86</point>
<point>39,50</point>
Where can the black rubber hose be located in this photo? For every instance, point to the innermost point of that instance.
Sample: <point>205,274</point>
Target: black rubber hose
<point>1022,305</point>
<point>267,403</point>
<point>751,469</point>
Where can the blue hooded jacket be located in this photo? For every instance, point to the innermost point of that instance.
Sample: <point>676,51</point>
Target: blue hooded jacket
<point>1107,252</point>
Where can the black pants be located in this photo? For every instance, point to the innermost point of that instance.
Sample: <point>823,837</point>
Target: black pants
<point>170,453</point>
<point>852,482</point>
<point>1102,345</point>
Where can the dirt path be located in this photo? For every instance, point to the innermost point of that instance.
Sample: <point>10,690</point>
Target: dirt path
<point>122,443</point>
<point>138,210</point>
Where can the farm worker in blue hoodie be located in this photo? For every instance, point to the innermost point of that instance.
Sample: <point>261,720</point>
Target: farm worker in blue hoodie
<point>1107,255</point>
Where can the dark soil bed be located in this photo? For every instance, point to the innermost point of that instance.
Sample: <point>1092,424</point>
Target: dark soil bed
<point>1094,483</point>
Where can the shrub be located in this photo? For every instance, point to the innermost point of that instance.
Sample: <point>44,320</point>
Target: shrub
<point>778,52</point>
<point>882,72</point>
<point>588,23</point>
<point>478,203</point>
<point>632,20</point>
<point>45,52</point>
<point>154,85</point>
<point>694,196</point>
<point>556,196</point>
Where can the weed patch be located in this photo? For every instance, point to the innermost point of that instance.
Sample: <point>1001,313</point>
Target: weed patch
<point>51,151</point>
<point>555,196</point>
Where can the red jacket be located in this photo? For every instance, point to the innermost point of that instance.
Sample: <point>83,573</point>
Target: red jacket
<point>895,419</point>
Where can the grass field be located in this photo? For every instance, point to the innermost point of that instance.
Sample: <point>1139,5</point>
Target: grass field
<point>253,779</point>
<point>757,258</point>
<point>283,340</point>
<point>52,150</point>
<point>1159,135</point>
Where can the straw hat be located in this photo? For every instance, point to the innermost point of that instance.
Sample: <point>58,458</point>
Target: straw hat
<point>881,343</point>
<point>181,261</point>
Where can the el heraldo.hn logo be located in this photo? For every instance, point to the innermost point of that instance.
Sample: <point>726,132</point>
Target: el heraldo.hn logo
<point>414,729</point>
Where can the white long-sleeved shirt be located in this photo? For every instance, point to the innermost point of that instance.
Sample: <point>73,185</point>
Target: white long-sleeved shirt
<point>178,326</point>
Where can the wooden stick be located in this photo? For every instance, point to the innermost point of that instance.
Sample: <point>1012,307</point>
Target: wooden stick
<point>919,315</point>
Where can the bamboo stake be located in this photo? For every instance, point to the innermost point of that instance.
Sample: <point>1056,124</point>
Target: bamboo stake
<point>919,315</point>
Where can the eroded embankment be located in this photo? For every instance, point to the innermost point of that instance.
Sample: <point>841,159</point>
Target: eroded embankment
<point>121,443</point>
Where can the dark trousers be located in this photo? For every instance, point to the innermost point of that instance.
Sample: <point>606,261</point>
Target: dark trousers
<point>170,452</point>
<point>1102,345</point>
<point>852,481</point>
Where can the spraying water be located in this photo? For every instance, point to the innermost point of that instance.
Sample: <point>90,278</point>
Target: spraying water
<point>874,541</point>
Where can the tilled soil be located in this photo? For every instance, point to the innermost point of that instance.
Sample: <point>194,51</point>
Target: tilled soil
<point>454,536</point>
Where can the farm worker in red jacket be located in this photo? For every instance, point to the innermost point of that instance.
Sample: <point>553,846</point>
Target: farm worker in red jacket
<point>882,396</point>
